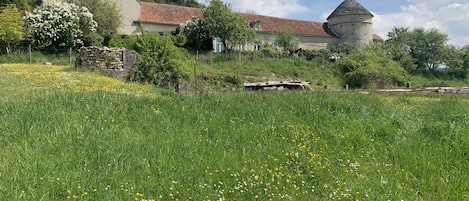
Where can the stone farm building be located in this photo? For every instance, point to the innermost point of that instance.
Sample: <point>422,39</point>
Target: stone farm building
<point>349,23</point>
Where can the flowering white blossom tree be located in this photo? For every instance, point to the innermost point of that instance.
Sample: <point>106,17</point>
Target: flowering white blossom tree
<point>58,24</point>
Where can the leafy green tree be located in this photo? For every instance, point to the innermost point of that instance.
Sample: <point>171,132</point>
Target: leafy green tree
<point>457,62</point>
<point>59,25</point>
<point>25,5</point>
<point>286,39</point>
<point>465,56</point>
<point>11,26</point>
<point>425,48</point>
<point>196,33</point>
<point>105,13</point>
<point>371,68</point>
<point>224,24</point>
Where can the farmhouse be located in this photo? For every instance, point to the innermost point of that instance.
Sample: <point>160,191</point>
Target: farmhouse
<point>349,23</point>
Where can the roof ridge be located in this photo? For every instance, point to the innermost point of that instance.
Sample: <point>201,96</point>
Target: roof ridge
<point>172,5</point>
<point>349,7</point>
<point>291,19</point>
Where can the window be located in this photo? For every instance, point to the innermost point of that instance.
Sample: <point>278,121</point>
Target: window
<point>241,47</point>
<point>274,44</point>
<point>256,25</point>
<point>256,47</point>
<point>219,47</point>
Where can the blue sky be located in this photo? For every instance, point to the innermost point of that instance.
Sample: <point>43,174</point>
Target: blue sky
<point>449,16</point>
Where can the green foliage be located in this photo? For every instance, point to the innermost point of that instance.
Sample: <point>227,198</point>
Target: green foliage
<point>454,62</point>
<point>196,33</point>
<point>160,62</point>
<point>59,144</point>
<point>11,26</point>
<point>124,41</point>
<point>179,40</point>
<point>224,24</point>
<point>309,55</point>
<point>344,48</point>
<point>37,57</point>
<point>371,68</point>
<point>93,39</point>
<point>269,52</point>
<point>286,39</point>
<point>425,48</point>
<point>105,13</point>
<point>24,5</point>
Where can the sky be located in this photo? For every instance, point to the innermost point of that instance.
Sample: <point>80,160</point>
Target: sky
<point>448,16</point>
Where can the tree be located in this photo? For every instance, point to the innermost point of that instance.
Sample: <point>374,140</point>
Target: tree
<point>229,27</point>
<point>105,13</point>
<point>25,5</point>
<point>426,48</point>
<point>457,61</point>
<point>196,33</point>
<point>371,67</point>
<point>286,39</point>
<point>59,25</point>
<point>11,26</point>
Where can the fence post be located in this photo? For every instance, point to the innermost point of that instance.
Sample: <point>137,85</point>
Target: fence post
<point>70,56</point>
<point>195,72</point>
<point>30,55</point>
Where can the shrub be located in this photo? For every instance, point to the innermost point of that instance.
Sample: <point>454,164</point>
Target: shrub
<point>159,61</point>
<point>369,68</point>
<point>312,54</point>
<point>270,52</point>
<point>93,39</point>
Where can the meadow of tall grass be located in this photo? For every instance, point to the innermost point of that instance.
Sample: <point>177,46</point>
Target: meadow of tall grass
<point>68,135</point>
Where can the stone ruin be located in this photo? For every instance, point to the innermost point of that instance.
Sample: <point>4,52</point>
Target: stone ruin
<point>116,62</point>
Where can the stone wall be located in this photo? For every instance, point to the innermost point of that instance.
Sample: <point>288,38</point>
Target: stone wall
<point>116,62</point>
<point>353,29</point>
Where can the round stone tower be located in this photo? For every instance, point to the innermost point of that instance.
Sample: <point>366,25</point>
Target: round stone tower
<point>352,23</point>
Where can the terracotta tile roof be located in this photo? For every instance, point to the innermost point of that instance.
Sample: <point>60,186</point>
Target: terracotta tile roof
<point>377,38</point>
<point>175,15</point>
<point>299,27</point>
<point>167,14</point>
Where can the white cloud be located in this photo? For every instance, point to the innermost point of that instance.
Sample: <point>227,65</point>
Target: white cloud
<point>275,8</point>
<point>448,16</point>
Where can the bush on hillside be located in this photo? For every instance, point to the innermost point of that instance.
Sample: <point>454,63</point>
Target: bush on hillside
<point>370,68</point>
<point>123,41</point>
<point>160,62</point>
<point>312,54</point>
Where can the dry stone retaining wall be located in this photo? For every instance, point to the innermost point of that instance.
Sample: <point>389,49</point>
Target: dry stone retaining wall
<point>117,62</point>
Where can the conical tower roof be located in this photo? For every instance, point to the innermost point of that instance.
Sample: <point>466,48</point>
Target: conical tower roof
<point>349,7</point>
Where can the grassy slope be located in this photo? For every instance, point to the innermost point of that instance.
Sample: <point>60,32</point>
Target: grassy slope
<point>66,134</point>
<point>221,72</point>
<point>224,72</point>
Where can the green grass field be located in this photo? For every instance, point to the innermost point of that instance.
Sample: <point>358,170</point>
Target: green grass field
<point>70,135</point>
